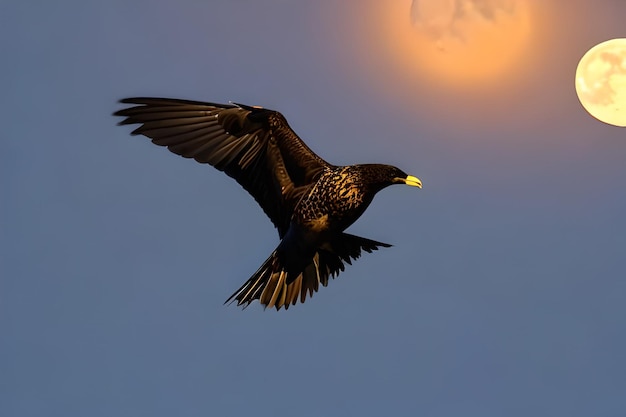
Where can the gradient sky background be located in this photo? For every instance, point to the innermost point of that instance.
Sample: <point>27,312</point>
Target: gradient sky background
<point>504,294</point>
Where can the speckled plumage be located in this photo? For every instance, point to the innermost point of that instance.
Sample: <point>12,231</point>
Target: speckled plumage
<point>310,201</point>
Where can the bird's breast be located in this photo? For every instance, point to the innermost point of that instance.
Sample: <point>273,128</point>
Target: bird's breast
<point>335,202</point>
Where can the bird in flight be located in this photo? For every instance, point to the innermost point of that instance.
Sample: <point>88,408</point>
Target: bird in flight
<point>309,201</point>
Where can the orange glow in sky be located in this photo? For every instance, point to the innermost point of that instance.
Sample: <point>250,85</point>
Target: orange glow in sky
<point>454,42</point>
<point>474,59</point>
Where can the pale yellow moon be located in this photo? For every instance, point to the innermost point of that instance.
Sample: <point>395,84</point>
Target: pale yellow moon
<point>601,81</point>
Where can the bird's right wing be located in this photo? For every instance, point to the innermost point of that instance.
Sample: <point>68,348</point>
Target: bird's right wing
<point>255,146</point>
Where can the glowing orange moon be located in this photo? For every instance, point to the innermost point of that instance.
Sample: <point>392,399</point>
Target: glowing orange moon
<point>468,42</point>
<point>601,81</point>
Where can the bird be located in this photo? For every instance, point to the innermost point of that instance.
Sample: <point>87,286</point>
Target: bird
<point>310,201</point>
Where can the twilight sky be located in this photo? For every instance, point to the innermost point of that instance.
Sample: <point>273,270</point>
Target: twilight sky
<point>504,293</point>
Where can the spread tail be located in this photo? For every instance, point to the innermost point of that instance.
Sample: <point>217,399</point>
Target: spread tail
<point>276,287</point>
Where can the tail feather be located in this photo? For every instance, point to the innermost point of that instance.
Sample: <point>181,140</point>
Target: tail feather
<point>274,286</point>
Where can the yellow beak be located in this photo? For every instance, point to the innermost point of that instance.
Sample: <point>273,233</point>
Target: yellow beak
<point>413,181</point>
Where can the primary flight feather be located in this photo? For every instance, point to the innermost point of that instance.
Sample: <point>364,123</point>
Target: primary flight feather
<point>310,201</point>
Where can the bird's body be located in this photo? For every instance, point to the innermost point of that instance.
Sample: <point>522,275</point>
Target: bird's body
<point>310,201</point>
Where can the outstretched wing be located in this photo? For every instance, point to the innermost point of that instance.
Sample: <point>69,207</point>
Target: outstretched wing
<point>255,146</point>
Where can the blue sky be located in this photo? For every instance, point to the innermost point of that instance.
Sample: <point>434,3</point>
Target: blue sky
<point>504,293</point>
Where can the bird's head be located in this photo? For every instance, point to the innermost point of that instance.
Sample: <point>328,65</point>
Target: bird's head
<point>385,175</point>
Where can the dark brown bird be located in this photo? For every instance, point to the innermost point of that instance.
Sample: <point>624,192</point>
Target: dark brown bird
<point>310,201</point>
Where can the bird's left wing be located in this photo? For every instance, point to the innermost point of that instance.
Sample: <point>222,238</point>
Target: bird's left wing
<point>255,146</point>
